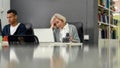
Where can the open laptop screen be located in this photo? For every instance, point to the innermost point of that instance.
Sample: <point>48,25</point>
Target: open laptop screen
<point>44,34</point>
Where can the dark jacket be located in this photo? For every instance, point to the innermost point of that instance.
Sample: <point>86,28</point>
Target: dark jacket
<point>21,30</point>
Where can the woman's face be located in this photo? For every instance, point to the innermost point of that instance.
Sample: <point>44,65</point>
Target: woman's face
<point>59,23</point>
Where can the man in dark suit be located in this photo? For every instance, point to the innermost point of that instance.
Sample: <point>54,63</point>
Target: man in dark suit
<point>14,27</point>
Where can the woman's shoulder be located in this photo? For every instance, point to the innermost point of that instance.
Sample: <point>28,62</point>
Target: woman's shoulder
<point>71,26</point>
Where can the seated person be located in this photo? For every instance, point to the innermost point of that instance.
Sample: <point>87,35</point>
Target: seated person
<point>14,27</point>
<point>62,29</point>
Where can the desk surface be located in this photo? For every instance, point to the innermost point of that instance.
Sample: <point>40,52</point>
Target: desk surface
<point>48,44</point>
<point>57,56</point>
<point>59,44</point>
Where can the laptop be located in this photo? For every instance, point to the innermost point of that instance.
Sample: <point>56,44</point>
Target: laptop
<point>23,40</point>
<point>44,34</point>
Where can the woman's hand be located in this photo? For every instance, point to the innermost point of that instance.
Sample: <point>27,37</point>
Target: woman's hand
<point>53,25</point>
<point>72,40</point>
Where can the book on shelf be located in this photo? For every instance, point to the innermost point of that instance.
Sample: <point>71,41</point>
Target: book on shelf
<point>104,33</point>
<point>103,15</point>
<point>107,4</point>
<point>99,17</point>
<point>112,3</point>
<point>100,2</point>
<point>103,18</point>
<point>107,18</point>
<point>113,34</point>
<point>111,19</point>
<point>104,3</point>
<point>115,21</point>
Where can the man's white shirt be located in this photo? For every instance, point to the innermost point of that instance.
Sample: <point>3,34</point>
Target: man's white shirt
<point>13,29</point>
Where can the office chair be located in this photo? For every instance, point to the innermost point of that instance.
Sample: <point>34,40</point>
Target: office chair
<point>79,26</point>
<point>23,40</point>
<point>29,29</point>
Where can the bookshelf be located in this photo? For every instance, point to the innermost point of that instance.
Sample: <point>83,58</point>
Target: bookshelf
<point>107,25</point>
<point>117,17</point>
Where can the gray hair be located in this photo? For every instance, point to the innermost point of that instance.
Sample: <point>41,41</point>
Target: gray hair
<point>58,16</point>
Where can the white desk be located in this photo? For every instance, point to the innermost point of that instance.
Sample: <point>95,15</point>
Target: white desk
<point>51,44</point>
<point>60,44</point>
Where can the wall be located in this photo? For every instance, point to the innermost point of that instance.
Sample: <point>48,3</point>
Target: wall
<point>4,6</point>
<point>0,8</point>
<point>39,13</point>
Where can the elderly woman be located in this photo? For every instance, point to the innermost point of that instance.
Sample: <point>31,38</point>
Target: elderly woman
<point>62,29</point>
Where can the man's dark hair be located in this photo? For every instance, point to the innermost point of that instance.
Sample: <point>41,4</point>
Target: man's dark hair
<point>12,11</point>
